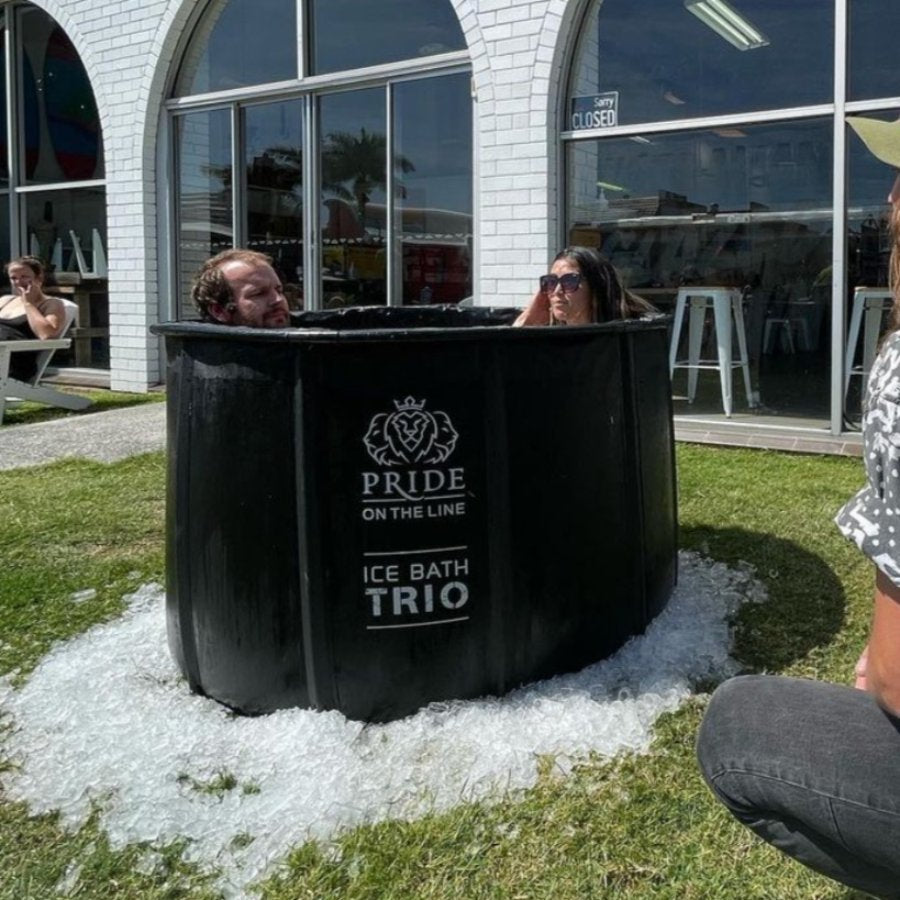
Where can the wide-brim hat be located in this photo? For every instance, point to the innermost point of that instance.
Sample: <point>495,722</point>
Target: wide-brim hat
<point>882,138</point>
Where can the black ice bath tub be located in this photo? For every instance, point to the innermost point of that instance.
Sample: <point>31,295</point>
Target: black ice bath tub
<point>381,508</point>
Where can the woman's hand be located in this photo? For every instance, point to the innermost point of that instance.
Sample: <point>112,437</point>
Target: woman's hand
<point>537,312</point>
<point>45,315</point>
<point>31,295</point>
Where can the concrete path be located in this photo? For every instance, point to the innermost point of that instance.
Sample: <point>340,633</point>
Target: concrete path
<point>103,436</point>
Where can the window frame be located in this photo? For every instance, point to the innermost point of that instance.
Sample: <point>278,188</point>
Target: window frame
<point>17,186</point>
<point>307,89</point>
<point>837,110</point>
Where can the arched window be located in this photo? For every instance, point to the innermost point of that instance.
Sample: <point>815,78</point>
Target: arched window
<point>335,136</point>
<point>52,174</point>
<point>700,151</point>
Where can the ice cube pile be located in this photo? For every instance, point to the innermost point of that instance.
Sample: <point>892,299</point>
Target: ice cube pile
<point>106,719</point>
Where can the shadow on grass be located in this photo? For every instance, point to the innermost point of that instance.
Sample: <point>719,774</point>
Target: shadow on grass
<point>806,605</point>
<point>28,413</point>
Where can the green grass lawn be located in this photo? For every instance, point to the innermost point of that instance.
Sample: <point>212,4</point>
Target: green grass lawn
<point>26,412</point>
<point>636,827</point>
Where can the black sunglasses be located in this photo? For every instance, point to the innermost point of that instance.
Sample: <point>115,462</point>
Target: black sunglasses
<point>570,282</point>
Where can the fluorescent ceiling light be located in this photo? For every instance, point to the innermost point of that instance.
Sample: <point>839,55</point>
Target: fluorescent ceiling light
<point>727,23</point>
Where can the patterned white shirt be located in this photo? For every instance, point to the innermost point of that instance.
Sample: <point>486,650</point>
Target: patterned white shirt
<point>872,518</point>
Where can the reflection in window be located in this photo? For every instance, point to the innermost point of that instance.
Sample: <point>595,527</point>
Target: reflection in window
<point>354,180</point>
<point>382,32</point>
<point>433,187</point>
<point>62,127</point>
<point>4,150</point>
<point>346,204</point>
<point>745,207</point>
<point>67,229</point>
<point>5,243</point>
<point>873,70</point>
<point>204,181</point>
<point>868,248</point>
<point>57,141</point>
<point>239,43</point>
<point>273,161</point>
<point>666,63</point>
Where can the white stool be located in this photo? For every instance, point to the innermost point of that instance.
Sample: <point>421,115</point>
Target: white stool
<point>873,302</point>
<point>726,304</point>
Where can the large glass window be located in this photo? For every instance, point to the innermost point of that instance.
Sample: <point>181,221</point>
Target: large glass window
<point>359,188</point>
<point>680,60</point>
<point>868,252</point>
<point>433,179</point>
<point>746,208</point>
<point>4,148</point>
<point>872,74</point>
<point>273,165</point>
<point>350,34</point>
<point>62,133</point>
<point>205,178</point>
<point>56,147</point>
<point>238,43</point>
<point>68,229</point>
<point>353,155</point>
<point>873,67</point>
<point>738,202</point>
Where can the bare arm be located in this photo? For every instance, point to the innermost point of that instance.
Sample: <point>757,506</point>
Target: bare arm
<point>882,666</point>
<point>44,318</point>
<point>537,312</point>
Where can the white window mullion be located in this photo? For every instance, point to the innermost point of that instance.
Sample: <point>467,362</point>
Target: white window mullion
<point>16,135</point>
<point>238,180</point>
<point>312,232</point>
<point>392,238</point>
<point>302,31</point>
<point>839,225</point>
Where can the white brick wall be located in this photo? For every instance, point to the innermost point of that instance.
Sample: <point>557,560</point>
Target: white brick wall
<point>128,49</point>
<point>517,60</point>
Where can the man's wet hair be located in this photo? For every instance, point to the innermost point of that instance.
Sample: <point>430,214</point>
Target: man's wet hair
<point>210,285</point>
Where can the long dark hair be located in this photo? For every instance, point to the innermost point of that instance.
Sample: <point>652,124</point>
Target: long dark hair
<point>894,271</point>
<point>610,299</point>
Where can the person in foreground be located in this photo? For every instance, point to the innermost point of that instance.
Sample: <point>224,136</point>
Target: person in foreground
<point>581,288</point>
<point>240,287</point>
<point>28,313</point>
<point>814,768</point>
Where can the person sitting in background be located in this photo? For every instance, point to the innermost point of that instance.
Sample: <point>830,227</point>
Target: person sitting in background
<point>581,288</point>
<point>240,287</point>
<point>814,768</point>
<point>28,313</point>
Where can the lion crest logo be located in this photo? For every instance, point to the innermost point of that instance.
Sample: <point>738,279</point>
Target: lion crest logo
<point>410,435</point>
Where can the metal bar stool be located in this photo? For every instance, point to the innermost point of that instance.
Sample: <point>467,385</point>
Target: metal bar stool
<point>869,305</point>
<point>726,304</point>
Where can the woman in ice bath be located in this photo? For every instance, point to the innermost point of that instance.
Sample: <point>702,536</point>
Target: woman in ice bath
<point>582,287</point>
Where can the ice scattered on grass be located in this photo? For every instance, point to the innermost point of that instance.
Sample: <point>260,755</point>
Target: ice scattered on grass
<point>82,596</point>
<point>150,862</point>
<point>69,880</point>
<point>105,719</point>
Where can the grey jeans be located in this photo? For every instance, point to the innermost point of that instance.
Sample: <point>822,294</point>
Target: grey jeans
<point>812,768</point>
